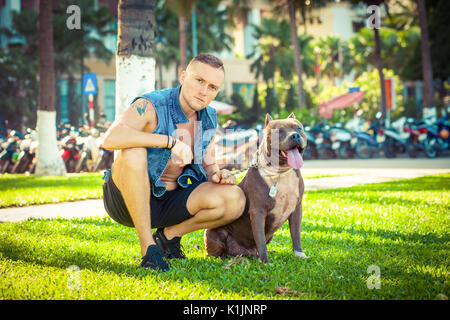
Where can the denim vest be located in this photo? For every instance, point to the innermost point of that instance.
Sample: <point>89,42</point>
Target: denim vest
<point>168,110</point>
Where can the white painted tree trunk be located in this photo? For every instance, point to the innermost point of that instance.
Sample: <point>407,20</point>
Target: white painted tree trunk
<point>135,75</point>
<point>49,161</point>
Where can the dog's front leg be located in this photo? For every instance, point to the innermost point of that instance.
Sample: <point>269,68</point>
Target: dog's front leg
<point>295,221</point>
<point>258,220</point>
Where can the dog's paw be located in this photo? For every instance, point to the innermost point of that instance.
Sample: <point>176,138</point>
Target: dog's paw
<point>300,254</point>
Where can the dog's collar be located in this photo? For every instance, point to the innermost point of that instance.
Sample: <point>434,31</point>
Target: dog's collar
<point>266,167</point>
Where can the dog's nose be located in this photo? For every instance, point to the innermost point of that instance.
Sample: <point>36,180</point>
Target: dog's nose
<point>296,138</point>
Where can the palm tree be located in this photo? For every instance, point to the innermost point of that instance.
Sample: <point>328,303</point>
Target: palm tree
<point>297,51</point>
<point>330,48</point>
<point>48,160</point>
<point>183,9</point>
<point>427,69</point>
<point>135,64</point>
<point>378,61</point>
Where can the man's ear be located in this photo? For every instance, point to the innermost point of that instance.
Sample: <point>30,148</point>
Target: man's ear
<point>292,116</point>
<point>182,76</point>
<point>268,119</point>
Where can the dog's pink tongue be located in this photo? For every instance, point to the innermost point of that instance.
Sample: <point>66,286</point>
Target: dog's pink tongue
<point>295,159</point>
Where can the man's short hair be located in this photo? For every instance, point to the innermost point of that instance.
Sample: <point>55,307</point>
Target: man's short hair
<point>207,58</point>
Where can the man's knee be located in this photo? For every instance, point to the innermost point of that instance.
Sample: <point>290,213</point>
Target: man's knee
<point>235,202</point>
<point>132,159</point>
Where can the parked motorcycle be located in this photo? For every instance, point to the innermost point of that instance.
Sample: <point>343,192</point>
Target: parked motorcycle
<point>9,155</point>
<point>70,152</point>
<point>397,140</point>
<point>311,149</point>
<point>27,152</point>
<point>367,144</point>
<point>323,141</point>
<point>89,152</point>
<point>419,140</point>
<point>438,139</point>
<point>341,142</point>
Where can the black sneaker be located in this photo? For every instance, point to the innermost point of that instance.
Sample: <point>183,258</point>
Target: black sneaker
<point>170,248</point>
<point>153,259</point>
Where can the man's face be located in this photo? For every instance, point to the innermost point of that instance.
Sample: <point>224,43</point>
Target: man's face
<point>200,84</point>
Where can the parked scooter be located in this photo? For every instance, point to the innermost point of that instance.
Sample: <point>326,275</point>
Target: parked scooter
<point>419,140</point>
<point>27,152</point>
<point>89,152</point>
<point>367,144</point>
<point>70,152</point>
<point>441,131</point>
<point>323,141</point>
<point>311,149</point>
<point>397,139</point>
<point>341,142</point>
<point>10,154</point>
<point>438,137</point>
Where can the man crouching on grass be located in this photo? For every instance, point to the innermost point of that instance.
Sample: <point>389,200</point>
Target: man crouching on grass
<point>165,175</point>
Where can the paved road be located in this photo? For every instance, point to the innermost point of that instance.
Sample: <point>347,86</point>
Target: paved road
<point>357,172</point>
<point>382,163</point>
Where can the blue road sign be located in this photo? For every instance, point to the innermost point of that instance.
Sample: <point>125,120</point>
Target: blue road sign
<point>353,89</point>
<point>90,84</point>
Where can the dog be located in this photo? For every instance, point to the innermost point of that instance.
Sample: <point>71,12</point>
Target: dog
<point>273,187</point>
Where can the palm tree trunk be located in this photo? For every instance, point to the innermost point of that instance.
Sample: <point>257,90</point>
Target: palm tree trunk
<point>379,64</point>
<point>135,64</point>
<point>48,160</point>
<point>296,43</point>
<point>183,41</point>
<point>427,69</point>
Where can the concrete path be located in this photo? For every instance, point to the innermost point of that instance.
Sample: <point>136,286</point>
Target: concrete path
<point>356,172</point>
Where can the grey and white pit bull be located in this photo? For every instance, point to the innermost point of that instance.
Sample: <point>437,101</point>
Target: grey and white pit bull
<point>274,190</point>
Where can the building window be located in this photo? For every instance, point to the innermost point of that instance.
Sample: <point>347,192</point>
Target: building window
<point>64,100</point>
<point>110,99</point>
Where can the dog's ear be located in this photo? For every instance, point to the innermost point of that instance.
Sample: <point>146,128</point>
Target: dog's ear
<point>292,116</point>
<point>268,119</point>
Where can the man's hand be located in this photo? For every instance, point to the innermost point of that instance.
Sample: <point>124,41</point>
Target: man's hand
<point>182,154</point>
<point>223,177</point>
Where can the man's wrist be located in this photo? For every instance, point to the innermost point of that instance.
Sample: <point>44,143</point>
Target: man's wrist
<point>172,143</point>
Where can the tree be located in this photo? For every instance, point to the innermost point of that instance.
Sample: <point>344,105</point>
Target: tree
<point>297,50</point>
<point>440,46</point>
<point>49,161</point>
<point>272,54</point>
<point>183,9</point>
<point>74,46</point>
<point>212,38</point>
<point>19,65</point>
<point>377,47</point>
<point>428,96</point>
<point>135,64</point>
<point>292,6</point>
<point>334,57</point>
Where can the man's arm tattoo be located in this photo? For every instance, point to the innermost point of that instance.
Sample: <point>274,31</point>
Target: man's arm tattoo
<point>143,109</point>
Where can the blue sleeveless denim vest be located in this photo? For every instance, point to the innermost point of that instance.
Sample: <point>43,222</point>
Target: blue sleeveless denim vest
<point>169,113</point>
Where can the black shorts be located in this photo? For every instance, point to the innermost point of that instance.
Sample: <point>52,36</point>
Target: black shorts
<point>167,210</point>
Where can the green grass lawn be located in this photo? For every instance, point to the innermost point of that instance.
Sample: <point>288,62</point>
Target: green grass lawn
<point>24,190</point>
<point>399,228</point>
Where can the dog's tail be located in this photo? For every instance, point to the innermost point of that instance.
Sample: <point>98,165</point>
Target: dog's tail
<point>215,240</point>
